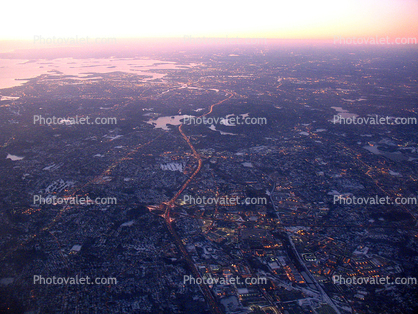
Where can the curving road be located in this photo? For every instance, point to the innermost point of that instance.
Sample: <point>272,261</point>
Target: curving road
<point>167,206</point>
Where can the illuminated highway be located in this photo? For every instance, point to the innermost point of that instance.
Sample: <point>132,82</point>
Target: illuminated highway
<point>167,206</point>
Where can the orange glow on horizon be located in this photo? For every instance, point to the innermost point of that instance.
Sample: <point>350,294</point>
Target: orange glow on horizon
<point>299,19</point>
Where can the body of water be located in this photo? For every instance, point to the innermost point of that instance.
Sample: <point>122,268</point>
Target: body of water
<point>15,72</point>
<point>344,113</point>
<point>397,156</point>
<point>14,157</point>
<point>163,122</point>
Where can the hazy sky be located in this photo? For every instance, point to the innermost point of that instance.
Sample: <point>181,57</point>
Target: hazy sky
<point>314,19</point>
